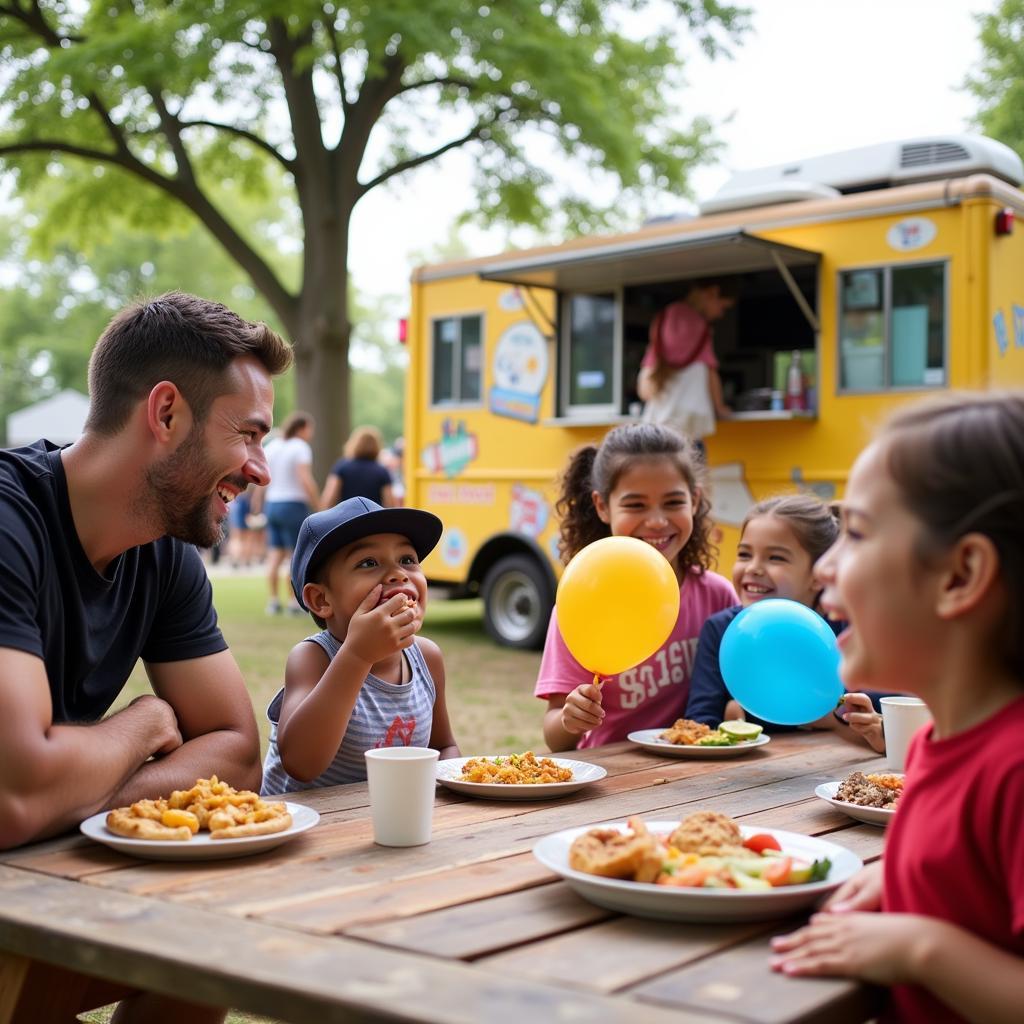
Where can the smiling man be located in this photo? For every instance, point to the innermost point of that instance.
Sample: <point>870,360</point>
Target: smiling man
<point>98,568</point>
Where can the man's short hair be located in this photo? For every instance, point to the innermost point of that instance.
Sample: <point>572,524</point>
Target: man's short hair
<point>176,337</point>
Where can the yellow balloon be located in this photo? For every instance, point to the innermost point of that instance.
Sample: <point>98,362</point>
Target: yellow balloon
<point>617,603</point>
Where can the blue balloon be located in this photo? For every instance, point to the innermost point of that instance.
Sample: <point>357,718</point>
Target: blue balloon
<point>780,660</point>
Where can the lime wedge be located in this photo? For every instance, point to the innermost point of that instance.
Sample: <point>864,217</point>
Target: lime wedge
<point>740,731</point>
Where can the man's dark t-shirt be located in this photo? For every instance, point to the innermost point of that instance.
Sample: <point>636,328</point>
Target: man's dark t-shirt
<point>153,602</point>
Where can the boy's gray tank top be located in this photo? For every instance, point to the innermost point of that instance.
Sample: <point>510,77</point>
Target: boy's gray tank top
<point>384,715</point>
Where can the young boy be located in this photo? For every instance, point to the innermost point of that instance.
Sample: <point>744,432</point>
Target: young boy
<point>365,681</point>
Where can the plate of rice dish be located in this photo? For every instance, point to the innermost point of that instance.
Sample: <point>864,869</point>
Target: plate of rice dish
<point>703,868</point>
<point>517,776</point>
<point>872,797</point>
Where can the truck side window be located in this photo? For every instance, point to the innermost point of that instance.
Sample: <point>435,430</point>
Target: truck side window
<point>892,327</point>
<point>456,360</point>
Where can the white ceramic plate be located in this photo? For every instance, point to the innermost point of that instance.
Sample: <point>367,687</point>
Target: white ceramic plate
<point>872,815</point>
<point>648,739</point>
<point>449,773</point>
<point>200,846</point>
<point>667,903</point>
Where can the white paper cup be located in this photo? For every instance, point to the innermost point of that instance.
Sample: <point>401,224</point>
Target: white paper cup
<point>901,718</point>
<point>402,782</point>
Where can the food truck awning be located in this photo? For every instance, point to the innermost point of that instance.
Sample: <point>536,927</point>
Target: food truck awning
<point>635,261</point>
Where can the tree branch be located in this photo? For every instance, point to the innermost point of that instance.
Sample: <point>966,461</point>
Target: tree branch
<point>406,165</point>
<point>464,83</point>
<point>172,129</point>
<point>120,158</point>
<point>362,117</point>
<point>339,71</point>
<point>300,96</point>
<point>34,20</point>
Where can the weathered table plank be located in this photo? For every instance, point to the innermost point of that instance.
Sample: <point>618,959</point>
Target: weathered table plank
<point>303,979</point>
<point>740,982</point>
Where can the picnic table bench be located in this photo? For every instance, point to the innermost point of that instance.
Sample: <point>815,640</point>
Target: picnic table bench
<point>469,928</point>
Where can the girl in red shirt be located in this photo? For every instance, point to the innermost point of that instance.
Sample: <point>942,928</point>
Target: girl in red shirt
<point>929,572</point>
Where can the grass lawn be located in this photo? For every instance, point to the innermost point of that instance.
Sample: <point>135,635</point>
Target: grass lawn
<point>490,688</point>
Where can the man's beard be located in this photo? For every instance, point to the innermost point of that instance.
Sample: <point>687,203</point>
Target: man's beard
<point>177,497</point>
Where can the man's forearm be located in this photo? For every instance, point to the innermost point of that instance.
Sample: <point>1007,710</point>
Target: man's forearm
<point>229,755</point>
<point>51,784</point>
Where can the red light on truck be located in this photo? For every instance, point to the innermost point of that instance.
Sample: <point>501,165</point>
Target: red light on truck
<point>403,330</point>
<point>1004,221</point>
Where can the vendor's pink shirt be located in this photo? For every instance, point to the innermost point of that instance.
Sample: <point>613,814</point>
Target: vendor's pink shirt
<point>653,694</point>
<point>679,336</point>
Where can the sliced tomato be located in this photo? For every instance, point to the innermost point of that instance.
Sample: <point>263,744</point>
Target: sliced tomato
<point>761,841</point>
<point>777,872</point>
<point>693,875</point>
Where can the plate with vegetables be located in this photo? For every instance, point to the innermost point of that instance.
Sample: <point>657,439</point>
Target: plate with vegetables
<point>719,871</point>
<point>687,738</point>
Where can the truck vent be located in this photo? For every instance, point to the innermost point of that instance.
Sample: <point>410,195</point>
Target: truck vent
<point>922,154</point>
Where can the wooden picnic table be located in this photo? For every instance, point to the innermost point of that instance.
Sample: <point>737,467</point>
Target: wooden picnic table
<point>469,928</point>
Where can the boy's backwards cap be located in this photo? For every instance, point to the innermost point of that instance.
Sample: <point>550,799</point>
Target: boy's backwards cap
<point>325,532</point>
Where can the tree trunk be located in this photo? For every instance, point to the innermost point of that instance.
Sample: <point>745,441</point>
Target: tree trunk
<point>322,387</point>
<point>322,337</point>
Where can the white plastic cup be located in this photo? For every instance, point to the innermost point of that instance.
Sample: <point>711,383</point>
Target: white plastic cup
<point>402,782</point>
<point>901,718</point>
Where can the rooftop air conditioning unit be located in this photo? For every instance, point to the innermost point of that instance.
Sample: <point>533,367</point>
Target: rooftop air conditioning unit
<point>867,168</point>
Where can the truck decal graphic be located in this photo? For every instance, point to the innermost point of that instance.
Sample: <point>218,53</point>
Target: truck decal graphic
<point>519,369</point>
<point>528,512</point>
<point>455,450</point>
<point>454,547</point>
<point>999,323</point>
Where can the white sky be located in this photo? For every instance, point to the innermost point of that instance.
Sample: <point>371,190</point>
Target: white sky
<point>814,76</point>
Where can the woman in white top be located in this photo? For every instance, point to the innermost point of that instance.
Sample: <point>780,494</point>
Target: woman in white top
<point>289,497</point>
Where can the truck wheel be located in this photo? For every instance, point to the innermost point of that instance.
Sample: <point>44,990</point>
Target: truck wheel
<point>517,602</point>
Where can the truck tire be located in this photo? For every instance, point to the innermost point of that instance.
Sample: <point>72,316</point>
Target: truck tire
<point>517,602</point>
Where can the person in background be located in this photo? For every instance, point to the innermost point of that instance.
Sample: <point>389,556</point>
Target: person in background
<point>99,568</point>
<point>289,497</point>
<point>929,573</point>
<point>678,380</point>
<point>359,473</point>
<point>365,680</point>
<point>780,540</point>
<point>644,481</point>
<point>243,538</point>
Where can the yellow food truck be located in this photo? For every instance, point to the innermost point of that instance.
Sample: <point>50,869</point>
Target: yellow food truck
<point>882,274</point>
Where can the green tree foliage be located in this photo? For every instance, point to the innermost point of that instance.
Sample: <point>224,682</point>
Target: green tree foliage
<point>999,81</point>
<point>146,109</point>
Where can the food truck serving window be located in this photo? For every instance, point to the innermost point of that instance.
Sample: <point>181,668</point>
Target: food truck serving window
<point>590,371</point>
<point>892,327</point>
<point>456,360</point>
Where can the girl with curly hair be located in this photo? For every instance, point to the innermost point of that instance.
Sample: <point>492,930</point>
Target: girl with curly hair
<point>644,481</point>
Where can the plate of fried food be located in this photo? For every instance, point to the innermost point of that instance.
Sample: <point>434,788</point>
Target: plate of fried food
<point>517,776</point>
<point>210,821</point>
<point>871,797</point>
<point>703,868</point>
<point>687,738</point>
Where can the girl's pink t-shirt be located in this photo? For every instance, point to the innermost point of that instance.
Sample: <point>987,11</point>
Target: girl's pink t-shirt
<point>653,694</point>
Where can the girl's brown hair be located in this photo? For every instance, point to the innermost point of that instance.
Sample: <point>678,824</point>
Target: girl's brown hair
<point>364,443</point>
<point>813,521</point>
<point>959,463</point>
<point>592,468</point>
